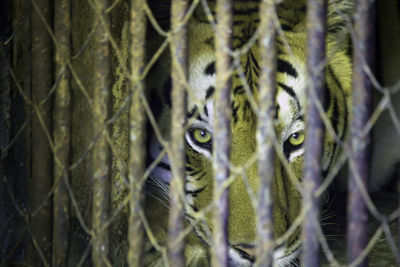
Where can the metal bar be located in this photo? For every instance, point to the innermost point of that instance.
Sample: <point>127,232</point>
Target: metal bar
<point>40,182</point>
<point>222,132</point>
<point>179,53</point>
<point>101,150</point>
<point>5,81</point>
<point>7,210</point>
<point>265,133</point>
<point>398,204</point>
<point>316,28</point>
<point>137,119</point>
<point>363,52</point>
<point>62,134</point>
<point>19,149</point>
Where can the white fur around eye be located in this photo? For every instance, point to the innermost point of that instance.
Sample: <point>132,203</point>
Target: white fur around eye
<point>196,147</point>
<point>295,154</point>
<point>296,127</point>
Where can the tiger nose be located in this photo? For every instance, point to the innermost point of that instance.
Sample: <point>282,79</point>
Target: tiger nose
<point>246,251</point>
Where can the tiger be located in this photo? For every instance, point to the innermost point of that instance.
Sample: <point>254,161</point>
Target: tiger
<point>291,84</point>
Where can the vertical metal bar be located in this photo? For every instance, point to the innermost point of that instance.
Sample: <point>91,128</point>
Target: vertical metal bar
<point>179,54</point>
<point>101,150</point>
<point>41,158</point>
<point>61,133</point>
<point>222,132</point>
<point>5,82</point>
<point>137,118</point>
<point>18,160</point>
<point>316,26</point>
<point>398,204</point>
<point>363,53</point>
<point>265,133</point>
<point>7,227</point>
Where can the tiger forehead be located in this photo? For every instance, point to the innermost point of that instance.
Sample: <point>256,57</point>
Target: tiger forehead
<point>245,20</point>
<point>202,60</point>
<point>203,74</point>
<point>290,85</point>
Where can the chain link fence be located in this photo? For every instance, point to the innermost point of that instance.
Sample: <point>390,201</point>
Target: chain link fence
<point>77,114</point>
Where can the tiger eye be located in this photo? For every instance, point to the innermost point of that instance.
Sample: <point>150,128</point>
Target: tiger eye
<point>202,136</point>
<point>296,139</point>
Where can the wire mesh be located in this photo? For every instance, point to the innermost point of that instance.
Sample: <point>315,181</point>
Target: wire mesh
<point>75,133</point>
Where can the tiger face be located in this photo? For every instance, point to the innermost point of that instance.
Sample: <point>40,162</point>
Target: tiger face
<point>289,127</point>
